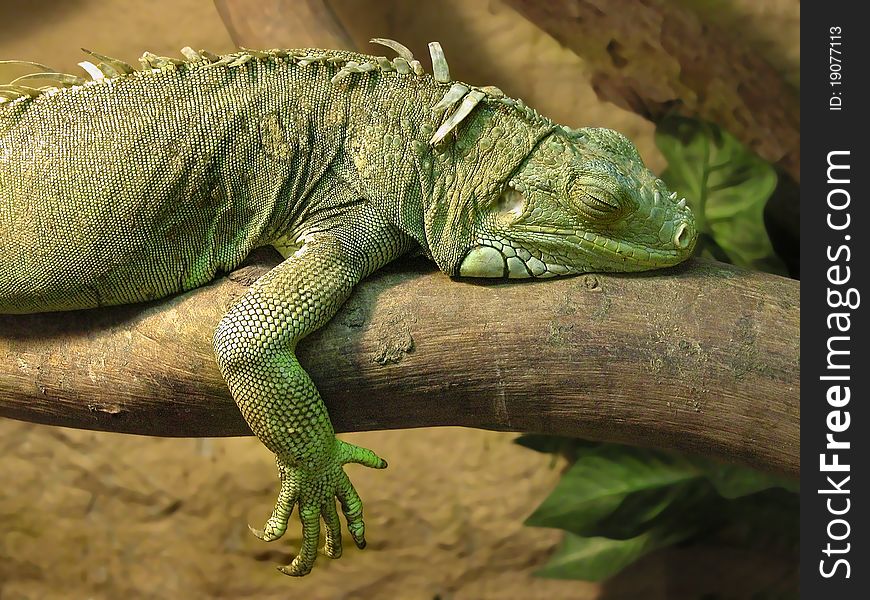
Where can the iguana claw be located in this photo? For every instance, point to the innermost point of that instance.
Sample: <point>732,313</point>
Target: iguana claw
<point>315,491</point>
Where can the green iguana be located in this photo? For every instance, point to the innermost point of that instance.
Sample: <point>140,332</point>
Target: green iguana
<point>137,184</point>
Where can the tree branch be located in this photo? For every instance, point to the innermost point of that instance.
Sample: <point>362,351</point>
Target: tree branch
<point>701,358</point>
<point>272,23</point>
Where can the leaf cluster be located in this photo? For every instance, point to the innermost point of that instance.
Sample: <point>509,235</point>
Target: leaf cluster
<point>727,187</point>
<point>618,503</point>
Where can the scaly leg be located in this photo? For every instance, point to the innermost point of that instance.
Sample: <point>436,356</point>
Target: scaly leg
<point>255,344</point>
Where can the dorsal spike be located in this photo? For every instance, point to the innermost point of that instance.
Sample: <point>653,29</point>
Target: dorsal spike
<point>220,62</point>
<point>398,48</point>
<point>152,61</point>
<point>10,70</point>
<point>59,79</point>
<point>456,92</point>
<point>25,63</point>
<point>468,103</point>
<point>209,56</point>
<point>191,54</point>
<point>241,60</point>
<point>342,73</point>
<point>92,69</point>
<point>119,66</point>
<point>403,67</point>
<point>353,67</point>
<point>108,70</point>
<point>439,63</point>
<point>20,90</point>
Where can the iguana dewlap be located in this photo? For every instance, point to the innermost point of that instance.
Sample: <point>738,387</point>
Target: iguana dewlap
<point>137,184</point>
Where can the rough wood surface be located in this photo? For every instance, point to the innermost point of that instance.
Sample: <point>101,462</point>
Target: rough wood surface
<point>272,23</point>
<point>658,56</point>
<point>701,358</point>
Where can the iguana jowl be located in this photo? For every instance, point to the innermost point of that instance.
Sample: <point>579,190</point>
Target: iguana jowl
<point>138,184</point>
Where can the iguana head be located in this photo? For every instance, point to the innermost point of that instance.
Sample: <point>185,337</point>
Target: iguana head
<point>578,201</point>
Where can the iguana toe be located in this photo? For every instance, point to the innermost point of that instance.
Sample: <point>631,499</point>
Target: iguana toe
<point>350,453</point>
<point>277,523</point>
<point>315,490</point>
<point>332,526</point>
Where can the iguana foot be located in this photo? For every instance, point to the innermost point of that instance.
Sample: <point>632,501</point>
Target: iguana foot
<point>315,491</point>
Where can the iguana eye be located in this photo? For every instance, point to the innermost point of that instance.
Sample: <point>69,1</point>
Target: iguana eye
<point>595,203</point>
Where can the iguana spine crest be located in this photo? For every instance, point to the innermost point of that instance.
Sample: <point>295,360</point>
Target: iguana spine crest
<point>461,97</point>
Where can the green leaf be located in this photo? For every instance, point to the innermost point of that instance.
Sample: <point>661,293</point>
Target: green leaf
<point>597,558</point>
<point>646,509</point>
<point>618,503</point>
<point>601,480</point>
<point>734,481</point>
<point>727,187</point>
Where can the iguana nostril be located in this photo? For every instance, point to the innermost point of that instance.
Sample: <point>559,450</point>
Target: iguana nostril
<point>684,235</point>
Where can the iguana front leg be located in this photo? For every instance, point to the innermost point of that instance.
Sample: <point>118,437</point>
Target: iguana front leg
<point>255,343</point>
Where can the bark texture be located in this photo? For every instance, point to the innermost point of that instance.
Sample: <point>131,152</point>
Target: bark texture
<point>701,358</point>
<point>272,23</point>
<point>659,56</point>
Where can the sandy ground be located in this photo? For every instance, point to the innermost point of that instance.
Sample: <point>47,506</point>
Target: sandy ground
<point>97,515</point>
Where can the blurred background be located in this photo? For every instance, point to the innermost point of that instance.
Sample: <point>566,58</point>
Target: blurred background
<point>98,515</point>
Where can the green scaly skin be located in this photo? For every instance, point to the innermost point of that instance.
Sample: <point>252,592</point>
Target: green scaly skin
<point>148,183</point>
